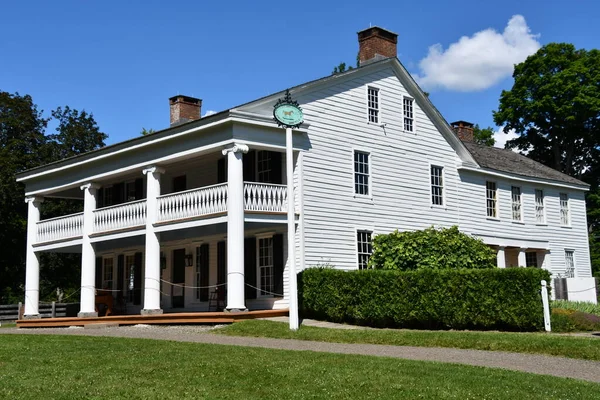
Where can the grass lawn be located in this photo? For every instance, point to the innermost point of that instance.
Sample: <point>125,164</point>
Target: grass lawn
<point>72,367</point>
<point>587,348</point>
<point>6,325</point>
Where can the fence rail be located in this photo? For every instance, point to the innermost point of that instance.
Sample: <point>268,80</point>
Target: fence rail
<point>192,203</point>
<point>265,197</point>
<point>11,312</point>
<point>127,215</point>
<point>64,227</point>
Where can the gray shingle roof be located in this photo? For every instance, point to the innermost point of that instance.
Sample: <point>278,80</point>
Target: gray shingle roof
<point>514,163</point>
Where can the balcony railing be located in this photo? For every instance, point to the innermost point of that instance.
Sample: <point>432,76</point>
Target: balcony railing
<point>122,216</point>
<point>265,197</point>
<point>59,228</point>
<point>174,207</point>
<point>192,203</point>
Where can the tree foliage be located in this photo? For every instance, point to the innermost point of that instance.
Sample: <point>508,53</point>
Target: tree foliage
<point>145,131</point>
<point>25,144</point>
<point>430,248</point>
<point>554,106</point>
<point>484,136</point>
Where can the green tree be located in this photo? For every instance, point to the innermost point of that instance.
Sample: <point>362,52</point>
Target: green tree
<point>484,136</point>
<point>21,147</point>
<point>77,132</point>
<point>554,106</point>
<point>145,131</point>
<point>430,248</point>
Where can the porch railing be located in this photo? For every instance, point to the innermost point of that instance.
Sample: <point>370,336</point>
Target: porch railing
<point>192,203</point>
<point>59,228</point>
<point>265,197</point>
<point>121,216</point>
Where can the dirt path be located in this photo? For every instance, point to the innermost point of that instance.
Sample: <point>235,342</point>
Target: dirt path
<point>537,364</point>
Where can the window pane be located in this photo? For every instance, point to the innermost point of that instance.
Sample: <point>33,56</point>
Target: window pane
<point>516,203</point>
<point>437,185</point>
<point>408,114</point>
<point>491,199</point>
<point>570,264</point>
<point>265,265</point>
<point>540,216</point>
<point>564,209</point>
<point>373,104</point>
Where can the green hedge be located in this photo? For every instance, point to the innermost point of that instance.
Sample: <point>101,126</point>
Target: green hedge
<point>505,299</point>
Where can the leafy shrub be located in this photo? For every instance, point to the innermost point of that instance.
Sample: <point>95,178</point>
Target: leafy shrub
<point>507,299</point>
<point>430,248</point>
<point>563,320</point>
<point>582,306</point>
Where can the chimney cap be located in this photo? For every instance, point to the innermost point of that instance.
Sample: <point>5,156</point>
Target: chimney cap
<point>463,123</point>
<point>185,99</point>
<point>377,29</point>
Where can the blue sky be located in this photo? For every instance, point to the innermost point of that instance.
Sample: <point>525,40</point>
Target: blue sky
<point>123,60</point>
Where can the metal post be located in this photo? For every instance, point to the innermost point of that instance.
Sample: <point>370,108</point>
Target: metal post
<point>546,307</point>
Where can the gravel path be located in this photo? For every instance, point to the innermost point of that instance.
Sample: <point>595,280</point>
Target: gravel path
<point>537,364</point>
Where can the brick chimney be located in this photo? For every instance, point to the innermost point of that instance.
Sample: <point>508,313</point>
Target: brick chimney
<point>375,44</point>
<point>184,109</point>
<point>464,130</point>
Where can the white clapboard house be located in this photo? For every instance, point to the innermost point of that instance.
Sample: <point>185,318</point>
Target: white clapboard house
<point>373,155</point>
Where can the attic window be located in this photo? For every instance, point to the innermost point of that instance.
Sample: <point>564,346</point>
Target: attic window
<point>373,104</point>
<point>409,125</point>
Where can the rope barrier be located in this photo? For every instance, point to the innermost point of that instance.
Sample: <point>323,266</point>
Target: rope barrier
<point>264,291</point>
<point>193,287</point>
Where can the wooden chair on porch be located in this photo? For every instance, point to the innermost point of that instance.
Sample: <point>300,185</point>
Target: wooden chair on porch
<point>217,300</point>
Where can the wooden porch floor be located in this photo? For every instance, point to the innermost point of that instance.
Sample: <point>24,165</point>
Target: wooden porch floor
<point>164,319</point>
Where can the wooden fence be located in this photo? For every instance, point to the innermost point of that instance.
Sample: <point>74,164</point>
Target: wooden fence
<point>12,312</point>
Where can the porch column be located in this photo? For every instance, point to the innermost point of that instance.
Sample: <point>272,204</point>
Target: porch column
<point>88,254</point>
<point>501,257</point>
<point>32,262</point>
<point>152,270</point>
<point>522,259</point>
<point>235,227</point>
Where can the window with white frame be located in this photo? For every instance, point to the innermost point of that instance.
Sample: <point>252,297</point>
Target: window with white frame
<point>361,173</point>
<point>130,191</point>
<point>517,214</point>
<point>365,248</point>
<point>437,185</point>
<point>263,166</point>
<point>491,199</point>
<point>540,213</point>
<point>108,196</point>
<point>531,259</point>
<point>373,104</point>
<point>565,218</point>
<point>409,124</point>
<point>107,274</point>
<point>265,266</point>
<point>570,264</point>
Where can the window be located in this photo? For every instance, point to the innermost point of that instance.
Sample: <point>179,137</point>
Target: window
<point>540,215</point>
<point>265,266</point>
<point>531,259</point>
<point>569,264</point>
<point>361,173</point>
<point>408,115</point>
<point>130,191</point>
<point>108,196</point>
<point>365,248</point>
<point>263,166</point>
<point>373,104</point>
<point>437,185</point>
<point>565,218</point>
<point>516,203</point>
<point>492,202</point>
<point>107,275</point>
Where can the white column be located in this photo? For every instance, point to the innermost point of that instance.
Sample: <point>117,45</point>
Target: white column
<point>501,257</point>
<point>291,225</point>
<point>32,262</point>
<point>88,254</point>
<point>152,256</point>
<point>235,227</point>
<point>522,259</point>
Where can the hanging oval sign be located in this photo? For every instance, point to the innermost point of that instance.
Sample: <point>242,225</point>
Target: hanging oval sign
<point>288,115</point>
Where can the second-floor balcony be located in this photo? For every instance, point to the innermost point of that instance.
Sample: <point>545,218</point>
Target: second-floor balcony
<point>197,203</point>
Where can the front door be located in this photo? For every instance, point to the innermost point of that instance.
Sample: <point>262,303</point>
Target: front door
<point>177,298</point>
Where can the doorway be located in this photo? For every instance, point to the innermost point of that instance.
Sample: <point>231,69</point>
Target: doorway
<point>177,290</point>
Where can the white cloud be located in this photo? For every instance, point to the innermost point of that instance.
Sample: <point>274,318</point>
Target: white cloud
<point>501,138</point>
<point>479,61</point>
<point>208,113</point>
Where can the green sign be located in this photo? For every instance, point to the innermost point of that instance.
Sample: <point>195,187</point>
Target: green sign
<point>287,112</point>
